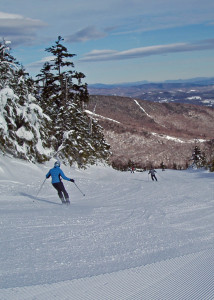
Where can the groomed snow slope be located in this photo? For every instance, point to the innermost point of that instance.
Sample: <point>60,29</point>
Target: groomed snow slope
<point>128,238</point>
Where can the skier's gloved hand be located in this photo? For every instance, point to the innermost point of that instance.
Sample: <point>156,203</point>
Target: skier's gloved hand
<point>72,180</point>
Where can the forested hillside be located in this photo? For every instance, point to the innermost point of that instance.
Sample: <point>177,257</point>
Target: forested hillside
<point>145,133</point>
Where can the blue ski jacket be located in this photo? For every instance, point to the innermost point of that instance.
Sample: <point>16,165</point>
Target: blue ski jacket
<point>56,173</point>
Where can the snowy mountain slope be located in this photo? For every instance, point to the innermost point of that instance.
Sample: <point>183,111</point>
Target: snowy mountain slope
<point>146,133</point>
<point>153,235</point>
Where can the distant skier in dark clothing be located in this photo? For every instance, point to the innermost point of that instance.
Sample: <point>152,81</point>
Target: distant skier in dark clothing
<point>56,173</point>
<point>152,172</point>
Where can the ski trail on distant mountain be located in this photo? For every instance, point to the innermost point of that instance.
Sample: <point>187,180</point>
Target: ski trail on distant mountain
<point>148,114</point>
<point>100,117</point>
<point>142,109</point>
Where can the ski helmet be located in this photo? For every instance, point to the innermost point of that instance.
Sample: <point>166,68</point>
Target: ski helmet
<point>57,164</point>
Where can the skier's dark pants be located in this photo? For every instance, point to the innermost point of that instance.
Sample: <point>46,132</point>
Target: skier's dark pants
<point>153,176</point>
<point>59,186</point>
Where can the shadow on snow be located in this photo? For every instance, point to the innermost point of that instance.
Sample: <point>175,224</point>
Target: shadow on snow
<point>38,199</point>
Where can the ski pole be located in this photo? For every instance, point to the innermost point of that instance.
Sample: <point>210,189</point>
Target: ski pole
<point>40,188</point>
<point>79,189</point>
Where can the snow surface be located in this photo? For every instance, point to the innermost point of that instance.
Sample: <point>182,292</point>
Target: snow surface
<point>128,239</point>
<point>171,138</point>
<point>100,117</point>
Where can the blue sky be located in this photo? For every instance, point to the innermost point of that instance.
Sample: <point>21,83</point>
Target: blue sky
<point>116,40</point>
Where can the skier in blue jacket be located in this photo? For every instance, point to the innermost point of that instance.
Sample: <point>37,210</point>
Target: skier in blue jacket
<point>56,173</point>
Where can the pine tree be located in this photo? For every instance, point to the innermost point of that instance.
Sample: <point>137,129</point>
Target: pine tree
<point>211,166</point>
<point>198,158</point>
<point>22,126</point>
<point>8,65</point>
<point>210,155</point>
<point>63,96</point>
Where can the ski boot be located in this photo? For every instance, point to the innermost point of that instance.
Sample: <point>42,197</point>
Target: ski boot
<point>67,201</point>
<point>63,201</point>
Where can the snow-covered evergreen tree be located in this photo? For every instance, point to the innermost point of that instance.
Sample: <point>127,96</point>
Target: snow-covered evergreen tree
<point>210,156</point>
<point>63,96</point>
<point>198,158</point>
<point>22,121</point>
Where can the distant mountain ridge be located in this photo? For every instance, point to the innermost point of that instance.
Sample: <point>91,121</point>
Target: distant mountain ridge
<point>205,81</point>
<point>199,91</point>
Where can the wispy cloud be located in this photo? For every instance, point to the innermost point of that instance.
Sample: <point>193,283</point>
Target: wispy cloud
<point>40,63</point>
<point>86,34</point>
<point>18,28</point>
<point>107,55</point>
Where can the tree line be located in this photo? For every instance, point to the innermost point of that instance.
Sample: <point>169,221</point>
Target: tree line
<point>46,117</point>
